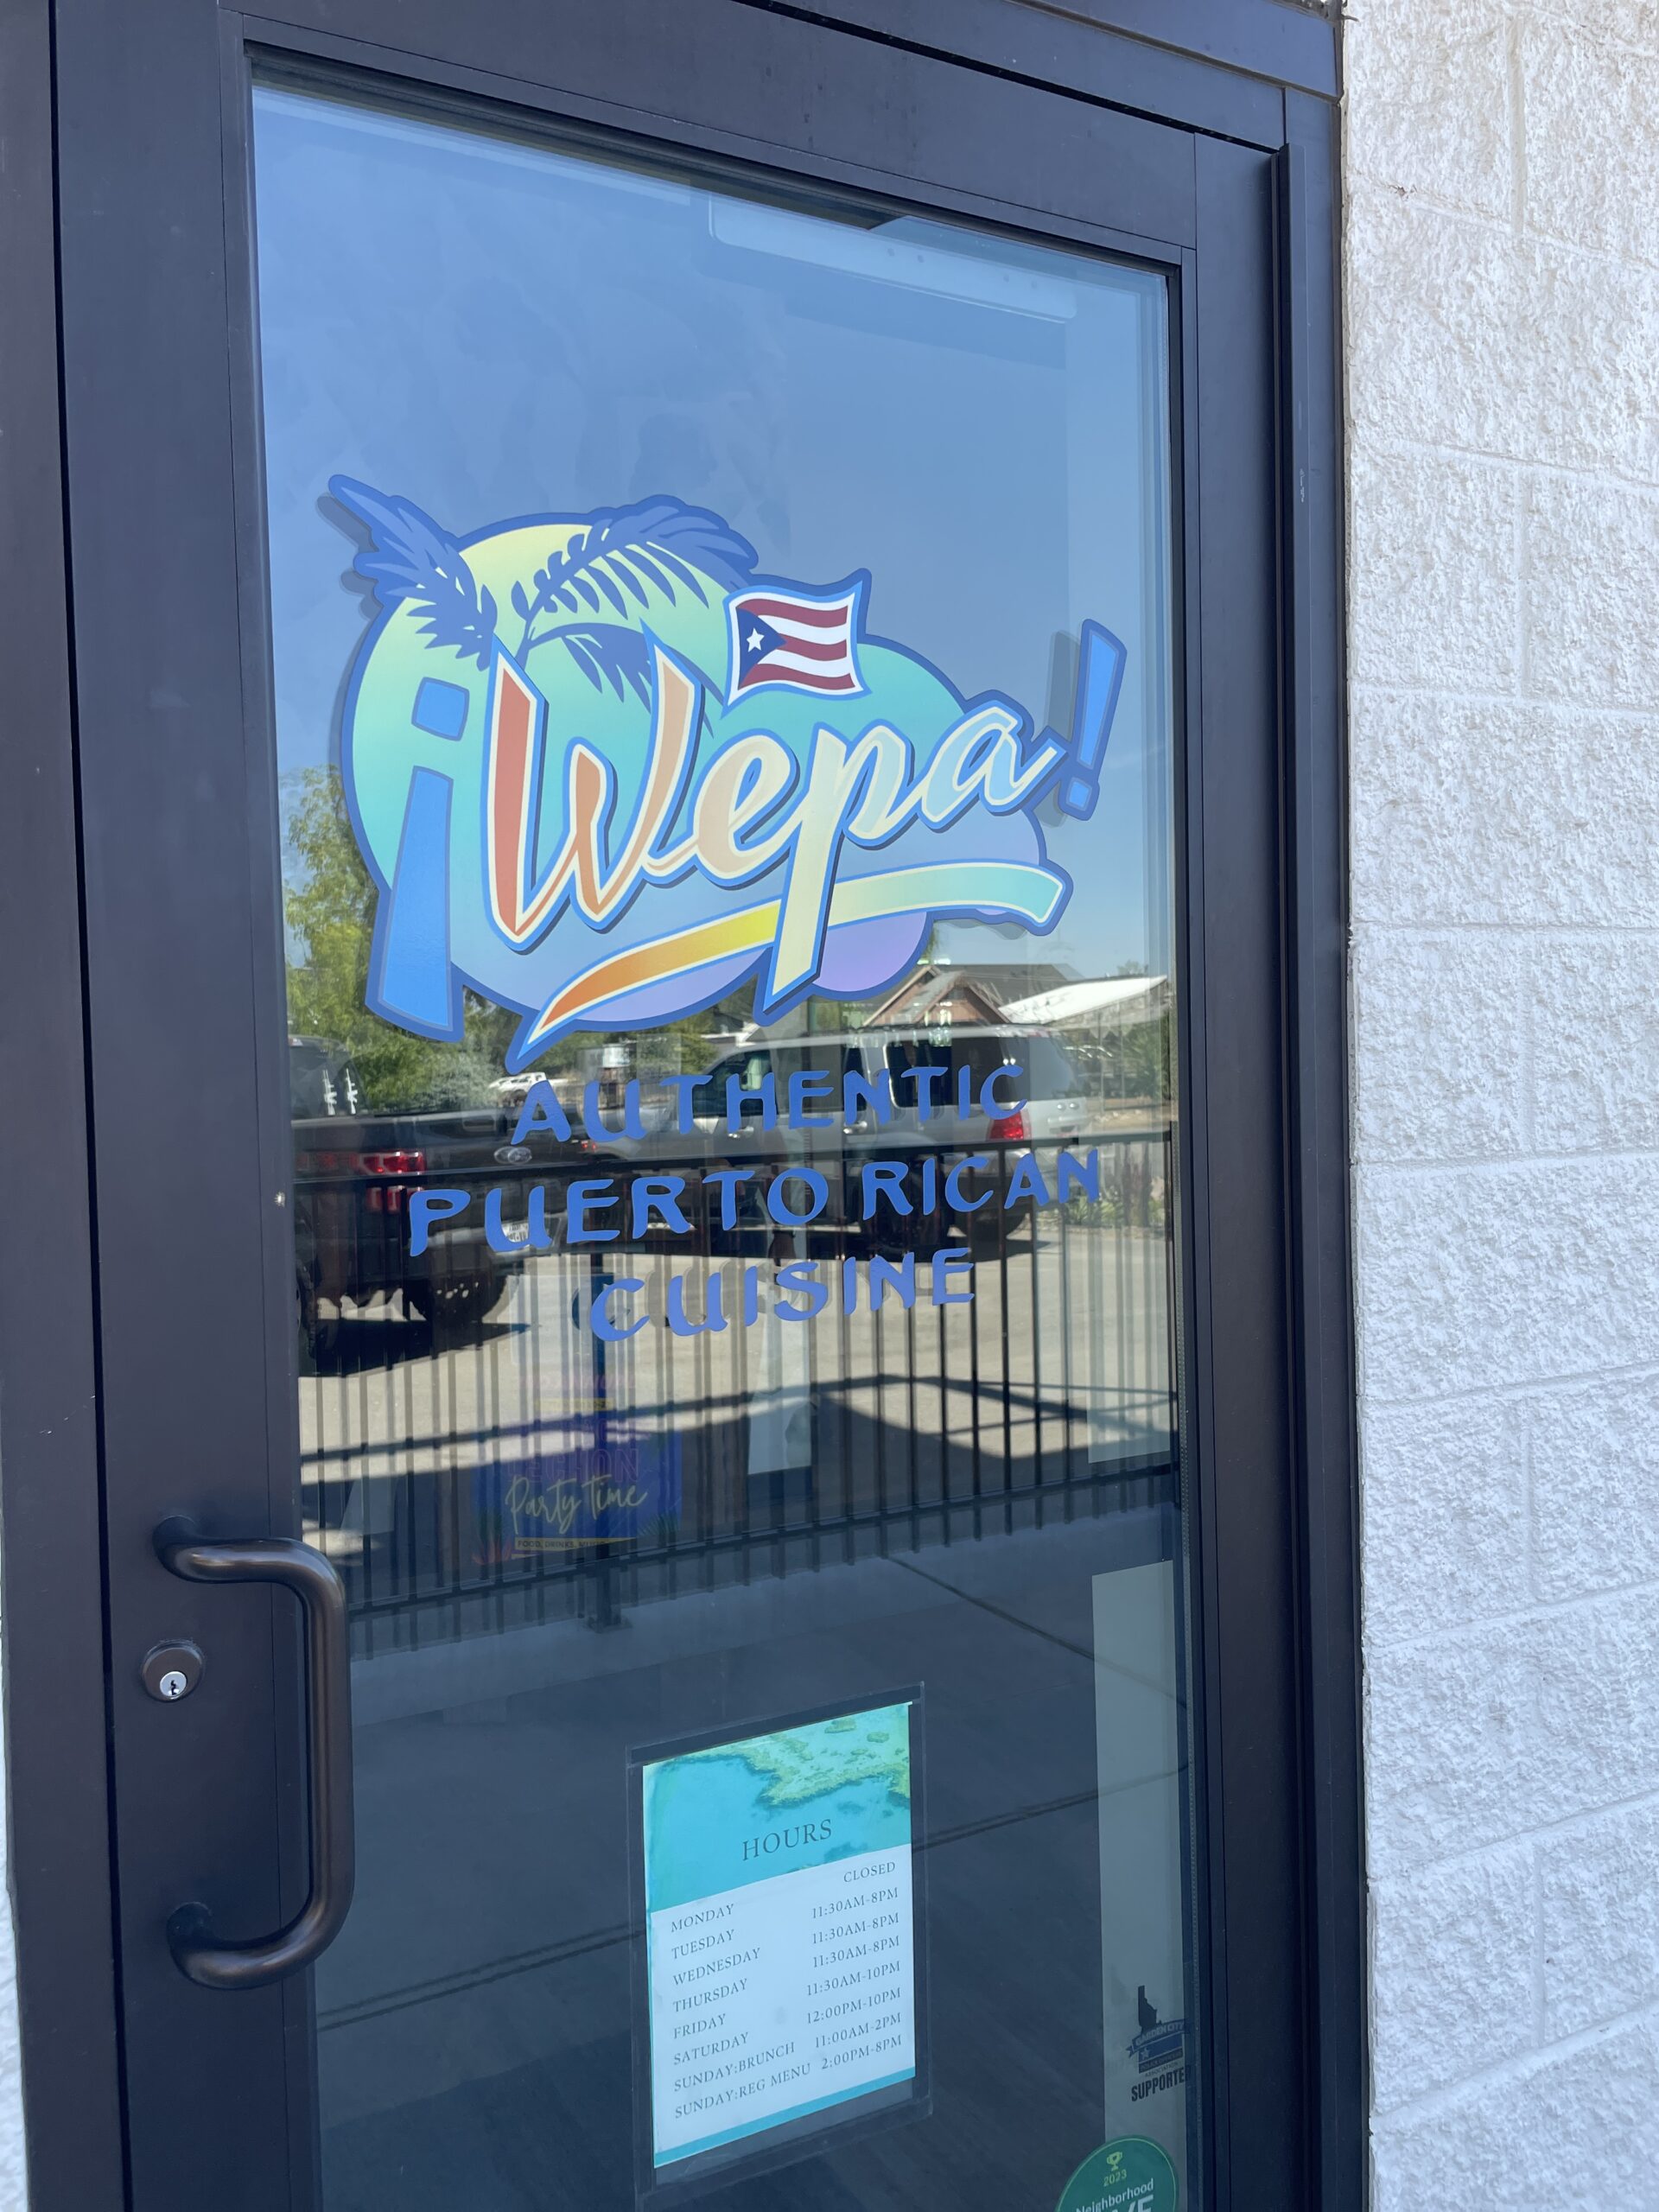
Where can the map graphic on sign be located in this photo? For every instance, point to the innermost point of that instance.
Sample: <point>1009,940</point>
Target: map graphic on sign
<point>780,1928</point>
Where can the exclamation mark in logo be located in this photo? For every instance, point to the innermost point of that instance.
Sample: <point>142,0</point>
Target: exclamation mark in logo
<point>1100,678</point>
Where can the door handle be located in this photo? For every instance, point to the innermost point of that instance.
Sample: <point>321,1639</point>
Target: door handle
<point>298,1567</point>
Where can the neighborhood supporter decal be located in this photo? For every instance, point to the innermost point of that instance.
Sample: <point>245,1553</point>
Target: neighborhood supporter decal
<point>1129,2175</point>
<point>603,774</point>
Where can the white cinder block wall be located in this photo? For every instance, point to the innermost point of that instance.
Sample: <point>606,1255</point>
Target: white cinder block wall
<point>1503,293</point>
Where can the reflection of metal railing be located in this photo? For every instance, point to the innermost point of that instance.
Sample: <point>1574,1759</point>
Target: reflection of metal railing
<point>518,1468</point>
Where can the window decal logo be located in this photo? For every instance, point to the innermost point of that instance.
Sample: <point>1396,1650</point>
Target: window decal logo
<point>602,772</point>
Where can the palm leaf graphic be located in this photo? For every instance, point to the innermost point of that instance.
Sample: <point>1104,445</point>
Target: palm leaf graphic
<point>412,559</point>
<point>617,561</point>
<point>608,653</point>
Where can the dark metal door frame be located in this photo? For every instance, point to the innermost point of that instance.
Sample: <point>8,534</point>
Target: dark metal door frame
<point>144,329</point>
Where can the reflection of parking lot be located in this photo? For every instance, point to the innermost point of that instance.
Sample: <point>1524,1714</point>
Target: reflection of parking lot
<point>1057,1369</point>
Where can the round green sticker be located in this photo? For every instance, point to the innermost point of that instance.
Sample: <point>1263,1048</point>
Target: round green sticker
<point>1130,2175</point>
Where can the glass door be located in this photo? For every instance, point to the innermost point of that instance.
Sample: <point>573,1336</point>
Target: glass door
<point>721,644</point>
<point>676,662</point>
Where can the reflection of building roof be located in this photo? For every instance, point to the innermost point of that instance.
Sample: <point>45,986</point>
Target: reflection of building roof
<point>936,996</point>
<point>1011,979</point>
<point>1137,996</point>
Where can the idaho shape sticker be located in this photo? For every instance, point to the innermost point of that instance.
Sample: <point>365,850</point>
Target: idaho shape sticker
<point>1129,2175</point>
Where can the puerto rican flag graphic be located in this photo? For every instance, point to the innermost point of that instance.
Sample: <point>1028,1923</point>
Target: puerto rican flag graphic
<point>789,636</point>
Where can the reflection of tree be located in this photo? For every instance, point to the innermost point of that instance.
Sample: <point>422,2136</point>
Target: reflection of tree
<point>328,906</point>
<point>1128,1065</point>
<point>1137,1061</point>
<point>1133,1059</point>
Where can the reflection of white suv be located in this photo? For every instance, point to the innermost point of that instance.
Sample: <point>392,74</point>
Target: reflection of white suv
<point>1055,1109</point>
<point>1044,1103</point>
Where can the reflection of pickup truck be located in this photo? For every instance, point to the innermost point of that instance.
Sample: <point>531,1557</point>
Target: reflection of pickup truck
<point>353,1174</point>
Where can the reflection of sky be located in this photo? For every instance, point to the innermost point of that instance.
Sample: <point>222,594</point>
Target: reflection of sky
<point>494,330</point>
